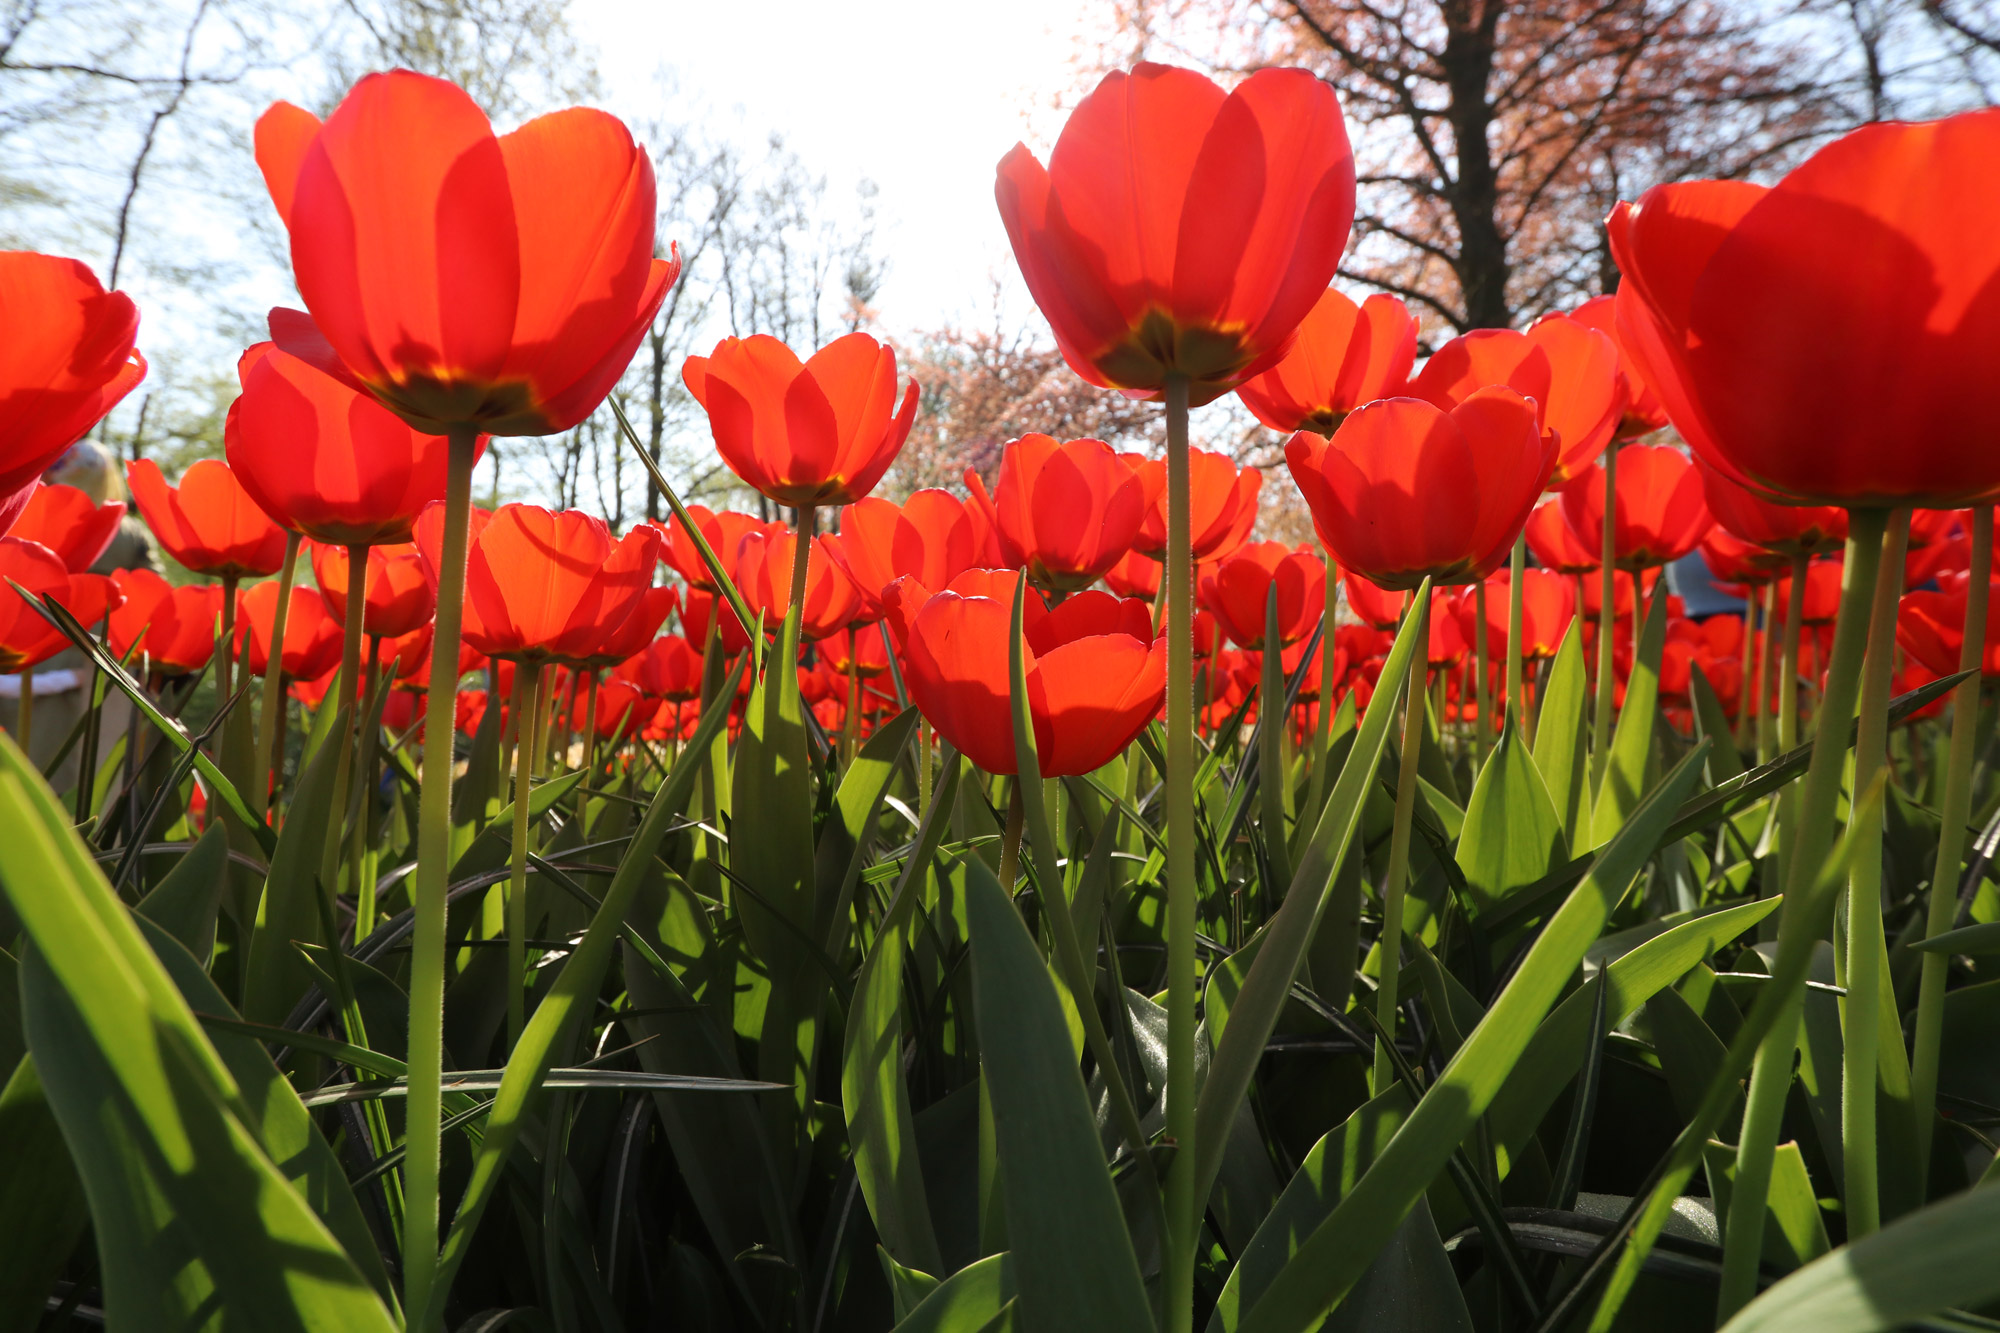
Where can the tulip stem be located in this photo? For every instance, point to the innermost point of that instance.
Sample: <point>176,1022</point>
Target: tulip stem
<point>1517,698</point>
<point>226,653</point>
<point>1184,1211</point>
<point>423,1106</point>
<point>527,708</point>
<point>1956,807</point>
<point>1271,722</point>
<point>343,716</point>
<point>1408,759</point>
<point>1607,622</point>
<point>1010,837</point>
<point>1482,673</point>
<point>1760,691</point>
<point>270,750</point>
<point>364,832</point>
<point>1324,732</point>
<point>24,713</point>
<point>1867,949</point>
<point>1803,910</point>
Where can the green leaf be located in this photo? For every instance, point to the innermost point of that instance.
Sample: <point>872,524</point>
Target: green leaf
<point>1794,1231</point>
<point>1410,1288</point>
<point>40,1198</point>
<point>1337,1252</point>
<point>845,840</point>
<point>1724,761</point>
<point>1281,945</point>
<point>1562,727</point>
<point>1632,739</point>
<point>1072,1256</point>
<point>1935,1259</point>
<point>274,976</point>
<point>191,1213</point>
<point>1513,836</point>
<point>774,794</point>
<point>185,903</point>
<point>967,1301</point>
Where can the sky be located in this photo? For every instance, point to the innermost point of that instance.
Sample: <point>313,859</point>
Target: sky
<point>922,97</point>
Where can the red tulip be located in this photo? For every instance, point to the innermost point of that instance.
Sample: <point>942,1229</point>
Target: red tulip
<point>209,522</point>
<point>1548,602</point>
<point>1137,575</point>
<point>1930,626</point>
<point>174,627</point>
<point>1940,542</point>
<point>27,640</point>
<point>1376,607</point>
<point>65,361</point>
<point>1235,592</point>
<point>1556,545</point>
<point>70,523</point>
<point>1819,339</point>
<point>1222,504</point>
<point>1065,512</point>
<point>1661,513</point>
<point>668,668</point>
<point>1568,369</point>
<point>542,585</point>
<point>1643,413</point>
<point>400,597</point>
<point>1733,561</point>
<point>1789,529</point>
<point>870,658</point>
<point>930,536</point>
<point>461,278</point>
<point>821,432</point>
<point>324,460</point>
<point>724,532</point>
<point>1822,599</point>
<point>1448,645</point>
<point>1345,355</point>
<point>312,636</point>
<point>764,576</point>
<point>623,627</point>
<point>1406,491</point>
<point>1182,230</point>
<point>1095,677</point>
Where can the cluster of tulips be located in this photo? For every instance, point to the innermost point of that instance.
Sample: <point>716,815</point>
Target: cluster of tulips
<point>1816,345</point>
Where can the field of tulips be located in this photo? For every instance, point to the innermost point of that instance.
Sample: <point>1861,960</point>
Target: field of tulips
<point>1044,908</point>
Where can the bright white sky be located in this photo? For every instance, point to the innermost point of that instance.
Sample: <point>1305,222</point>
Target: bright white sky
<point>920,96</point>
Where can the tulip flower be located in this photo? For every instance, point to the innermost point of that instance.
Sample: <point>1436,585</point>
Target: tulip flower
<point>622,627</point>
<point>541,584</point>
<point>1095,677</point>
<point>1815,338</point>
<point>312,636</point>
<point>821,432</point>
<point>323,459</point>
<point>1064,512</point>
<point>1548,603</point>
<point>1643,412</point>
<point>832,601</point>
<point>1555,543</point>
<point>1378,608</point>
<point>209,522</point>
<point>1787,529</point>
<point>1733,562</point>
<point>1661,513</point>
<point>67,359</point>
<point>1235,592</point>
<point>174,627</point>
<point>466,280</point>
<point>1179,230</point>
<point>668,668</point>
<point>1940,543</point>
<point>1222,505</point>
<point>930,536</point>
<point>27,640</point>
<point>1137,575</point>
<point>1344,355</point>
<point>400,596</point>
<point>1405,491</point>
<point>869,657</point>
<point>621,710</point>
<point>1930,626</point>
<point>1567,368</point>
<point>724,532</point>
<point>70,523</point>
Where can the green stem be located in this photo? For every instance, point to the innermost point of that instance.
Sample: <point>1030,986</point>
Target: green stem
<point>1517,699</point>
<point>270,751</point>
<point>1393,887</point>
<point>343,716</point>
<point>1957,807</point>
<point>364,820</point>
<point>1271,735</point>
<point>1324,732</point>
<point>1183,1209</point>
<point>424,1103</point>
<point>1010,837</point>
<point>525,705</point>
<point>1760,697</point>
<point>1482,672</point>
<point>1866,945</point>
<point>1607,623</point>
<point>24,712</point>
<point>225,658</point>
<point>1788,724</point>
<point>1816,815</point>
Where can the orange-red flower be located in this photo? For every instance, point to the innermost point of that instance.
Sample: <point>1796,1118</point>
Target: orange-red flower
<point>821,432</point>
<point>764,577</point>
<point>1567,368</point>
<point>724,532</point>
<point>1556,545</point>
<point>1064,512</point>
<point>1822,338</point>
<point>464,279</point>
<point>1095,675</point>
<point>1235,592</point>
<point>667,668</point>
<point>400,597</point>
<point>209,522</point>
<point>1137,575</point>
<point>1376,607</point>
<point>1182,230</point>
<point>312,636</point>
<point>70,523</point>
<point>1222,504</point>
<point>1345,355</point>
<point>65,360</point>
<point>1930,626</point>
<point>622,627</point>
<point>1643,412</point>
<point>174,627</point>
<point>1790,529</point>
<point>1548,601</point>
<point>324,460</point>
<point>541,584</point>
<point>27,640</point>
<point>1405,491</point>
<point>930,536</point>
<point>1661,513</point>
<point>1733,561</point>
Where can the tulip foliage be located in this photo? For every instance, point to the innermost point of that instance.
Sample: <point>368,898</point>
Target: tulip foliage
<point>1056,906</point>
